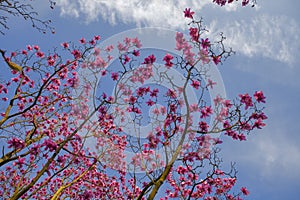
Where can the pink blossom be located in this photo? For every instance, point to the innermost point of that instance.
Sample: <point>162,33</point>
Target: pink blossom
<point>136,42</point>
<point>194,33</point>
<point>40,54</point>
<point>180,41</point>
<point>49,144</point>
<point>92,42</point>
<point>154,92</point>
<point>246,99</point>
<point>36,47</point>
<point>82,41</point>
<point>171,93</point>
<point>205,43</point>
<point>24,52</point>
<point>114,76</point>
<point>97,37</point>
<point>97,51</point>
<point>167,59</point>
<point>188,13</point>
<point>65,45</point>
<point>259,96</point>
<point>203,126</point>
<point>150,102</point>
<point>259,116</point>
<point>216,59</point>
<point>16,143</point>
<point>13,54</point>
<point>20,162</point>
<point>245,2</point>
<point>109,48</point>
<point>149,60</point>
<point>206,111</point>
<point>29,48</point>
<point>258,124</point>
<point>126,59</point>
<point>203,53</point>
<point>210,83</point>
<point>136,52</point>
<point>195,84</point>
<point>194,107</point>
<point>245,191</point>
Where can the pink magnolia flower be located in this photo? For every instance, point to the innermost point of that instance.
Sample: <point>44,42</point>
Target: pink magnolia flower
<point>167,59</point>
<point>82,41</point>
<point>24,52</point>
<point>149,60</point>
<point>136,52</point>
<point>188,13</point>
<point>76,54</point>
<point>246,99</point>
<point>194,108</point>
<point>97,51</point>
<point>203,56</point>
<point>36,47</point>
<point>40,54</point>
<point>259,116</point>
<point>210,83</point>
<point>20,162</point>
<point>245,191</point>
<point>258,124</point>
<point>259,96</point>
<point>245,2</point>
<point>205,43</point>
<point>49,144</point>
<point>203,126</point>
<point>150,102</point>
<point>194,33</point>
<point>216,59</point>
<point>180,41</point>
<point>97,37</point>
<point>136,42</point>
<point>29,48</point>
<point>171,93</point>
<point>114,76</point>
<point>126,59</point>
<point>65,45</point>
<point>16,143</point>
<point>154,92</point>
<point>206,111</point>
<point>195,84</point>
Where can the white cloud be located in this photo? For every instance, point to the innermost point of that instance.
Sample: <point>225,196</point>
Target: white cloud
<point>273,37</point>
<point>167,13</point>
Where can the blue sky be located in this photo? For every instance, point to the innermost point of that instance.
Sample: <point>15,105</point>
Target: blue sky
<point>266,39</point>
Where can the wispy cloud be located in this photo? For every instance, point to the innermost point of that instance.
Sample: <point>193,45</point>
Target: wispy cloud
<point>168,13</point>
<point>272,36</point>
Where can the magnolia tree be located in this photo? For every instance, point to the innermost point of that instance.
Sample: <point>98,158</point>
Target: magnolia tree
<point>71,116</point>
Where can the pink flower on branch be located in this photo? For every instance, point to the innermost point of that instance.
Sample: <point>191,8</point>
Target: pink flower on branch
<point>194,33</point>
<point>205,43</point>
<point>246,100</point>
<point>245,191</point>
<point>259,96</point>
<point>168,59</point>
<point>195,84</point>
